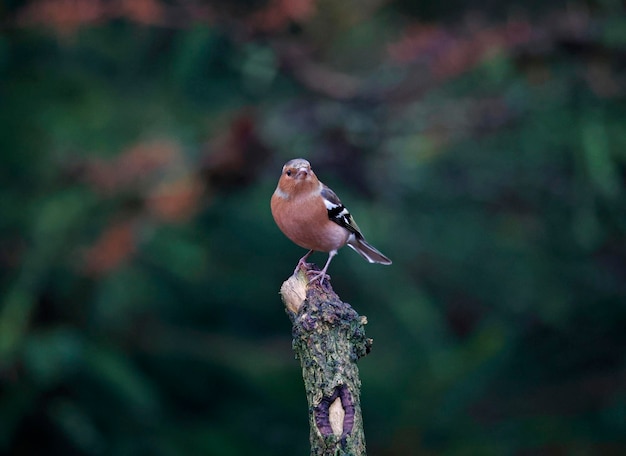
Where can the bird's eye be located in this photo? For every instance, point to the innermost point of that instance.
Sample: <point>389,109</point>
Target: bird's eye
<point>288,172</point>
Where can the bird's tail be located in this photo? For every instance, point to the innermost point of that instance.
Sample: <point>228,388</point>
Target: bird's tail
<point>368,252</point>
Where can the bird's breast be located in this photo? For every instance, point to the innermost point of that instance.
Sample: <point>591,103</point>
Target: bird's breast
<point>305,221</point>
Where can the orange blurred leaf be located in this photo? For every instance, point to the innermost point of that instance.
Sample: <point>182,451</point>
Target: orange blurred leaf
<point>175,201</point>
<point>114,246</point>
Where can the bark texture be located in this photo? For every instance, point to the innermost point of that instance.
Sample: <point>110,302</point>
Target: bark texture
<point>328,339</point>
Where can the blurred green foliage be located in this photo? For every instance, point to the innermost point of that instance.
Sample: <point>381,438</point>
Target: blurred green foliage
<point>483,151</point>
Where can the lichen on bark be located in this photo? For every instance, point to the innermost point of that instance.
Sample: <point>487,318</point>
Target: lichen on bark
<point>328,339</point>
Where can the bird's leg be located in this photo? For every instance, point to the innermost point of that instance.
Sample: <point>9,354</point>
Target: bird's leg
<point>302,262</point>
<point>322,274</point>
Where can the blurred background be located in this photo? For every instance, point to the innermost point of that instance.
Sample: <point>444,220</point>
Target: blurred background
<point>480,145</point>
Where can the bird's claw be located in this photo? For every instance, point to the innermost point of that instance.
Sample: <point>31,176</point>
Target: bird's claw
<point>318,275</point>
<point>304,265</point>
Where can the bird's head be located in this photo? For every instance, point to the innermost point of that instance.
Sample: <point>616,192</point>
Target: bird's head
<point>298,169</point>
<point>297,176</point>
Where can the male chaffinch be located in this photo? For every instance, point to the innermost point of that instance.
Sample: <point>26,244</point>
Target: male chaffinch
<point>311,215</point>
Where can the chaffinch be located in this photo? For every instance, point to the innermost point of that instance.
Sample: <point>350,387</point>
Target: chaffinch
<point>311,215</point>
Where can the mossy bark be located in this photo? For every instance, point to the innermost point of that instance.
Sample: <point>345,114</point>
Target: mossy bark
<point>328,339</point>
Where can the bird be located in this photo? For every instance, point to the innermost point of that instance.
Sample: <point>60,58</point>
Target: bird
<point>311,215</point>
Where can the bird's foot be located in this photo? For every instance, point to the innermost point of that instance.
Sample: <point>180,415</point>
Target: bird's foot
<point>318,275</point>
<point>303,264</point>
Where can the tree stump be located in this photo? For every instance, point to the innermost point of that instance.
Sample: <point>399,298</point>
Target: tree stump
<point>328,339</point>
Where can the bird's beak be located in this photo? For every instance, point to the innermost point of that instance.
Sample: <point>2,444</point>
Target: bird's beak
<point>302,173</point>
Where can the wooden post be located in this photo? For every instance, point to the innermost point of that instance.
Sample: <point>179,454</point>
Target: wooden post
<point>328,339</point>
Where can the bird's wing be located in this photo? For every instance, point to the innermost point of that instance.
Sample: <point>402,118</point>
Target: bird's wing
<point>338,213</point>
